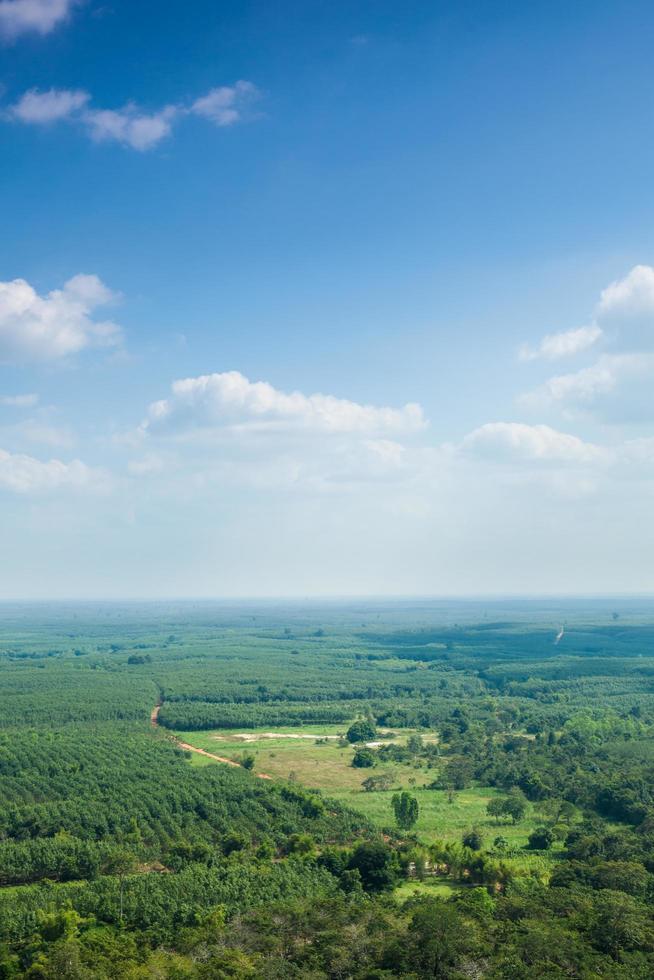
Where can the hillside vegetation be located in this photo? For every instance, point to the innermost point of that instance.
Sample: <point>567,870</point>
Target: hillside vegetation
<point>447,791</point>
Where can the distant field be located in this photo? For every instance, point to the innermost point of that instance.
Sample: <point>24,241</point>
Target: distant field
<point>323,766</point>
<point>327,767</point>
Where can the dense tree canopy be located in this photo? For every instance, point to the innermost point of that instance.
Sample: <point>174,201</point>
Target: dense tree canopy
<point>120,859</point>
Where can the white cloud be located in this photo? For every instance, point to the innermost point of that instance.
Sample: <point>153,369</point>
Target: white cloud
<point>517,441</point>
<point>624,318</point>
<point>42,433</point>
<point>48,107</point>
<point>20,401</point>
<point>230,400</point>
<point>130,126</point>
<point>564,344</point>
<point>146,465</point>
<point>42,328</point>
<point>632,295</point>
<point>626,310</point>
<point>605,378</point>
<point>25,474</point>
<point>224,105</point>
<point>32,16</point>
<point>619,382</point>
<point>583,385</point>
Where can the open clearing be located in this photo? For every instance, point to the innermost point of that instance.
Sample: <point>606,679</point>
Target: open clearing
<point>258,736</point>
<point>312,755</point>
<point>316,758</point>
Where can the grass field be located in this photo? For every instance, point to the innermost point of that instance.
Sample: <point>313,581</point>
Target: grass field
<point>327,766</point>
<point>441,820</point>
<point>318,765</point>
<point>434,887</point>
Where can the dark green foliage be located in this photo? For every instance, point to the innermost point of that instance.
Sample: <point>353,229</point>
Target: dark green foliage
<point>473,839</point>
<point>541,839</point>
<point>376,865</point>
<point>199,715</point>
<point>438,938</point>
<point>361,731</point>
<point>364,759</point>
<point>406,810</point>
<point>512,807</point>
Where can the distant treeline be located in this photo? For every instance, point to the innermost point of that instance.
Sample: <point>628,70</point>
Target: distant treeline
<point>199,715</point>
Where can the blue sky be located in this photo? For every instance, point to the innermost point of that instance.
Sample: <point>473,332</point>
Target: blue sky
<point>238,239</point>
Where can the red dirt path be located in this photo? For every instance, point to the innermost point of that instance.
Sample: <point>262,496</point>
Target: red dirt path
<point>154,718</point>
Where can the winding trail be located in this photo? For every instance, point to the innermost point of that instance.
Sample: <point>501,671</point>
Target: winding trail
<point>154,718</point>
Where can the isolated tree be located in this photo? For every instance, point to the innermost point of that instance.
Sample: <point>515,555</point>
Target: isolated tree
<point>515,806</point>
<point>406,809</point>
<point>415,744</point>
<point>496,808</point>
<point>361,731</point>
<point>363,759</point>
<point>377,784</point>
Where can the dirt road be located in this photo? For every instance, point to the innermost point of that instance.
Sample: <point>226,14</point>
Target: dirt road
<point>209,755</point>
<point>154,718</point>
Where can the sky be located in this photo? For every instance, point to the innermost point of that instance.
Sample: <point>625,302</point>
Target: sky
<point>326,298</point>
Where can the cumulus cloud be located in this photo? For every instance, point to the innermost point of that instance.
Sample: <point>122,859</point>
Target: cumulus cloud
<point>20,401</point>
<point>32,16</point>
<point>626,310</point>
<point>130,126</point>
<point>517,441</point>
<point>632,294</point>
<point>564,344</point>
<point>50,327</point>
<point>225,105</point>
<point>621,377</point>
<point>230,400</point>
<point>623,317</point>
<point>25,474</point>
<point>50,106</point>
<point>620,383</point>
<point>583,385</point>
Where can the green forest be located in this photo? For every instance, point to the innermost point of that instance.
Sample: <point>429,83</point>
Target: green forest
<point>360,790</point>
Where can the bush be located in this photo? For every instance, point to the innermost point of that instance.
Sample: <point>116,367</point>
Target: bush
<point>473,839</point>
<point>541,839</point>
<point>363,759</point>
<point>361,731</point>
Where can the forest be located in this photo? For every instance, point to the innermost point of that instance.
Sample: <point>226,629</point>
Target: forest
<point>359,790</point>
